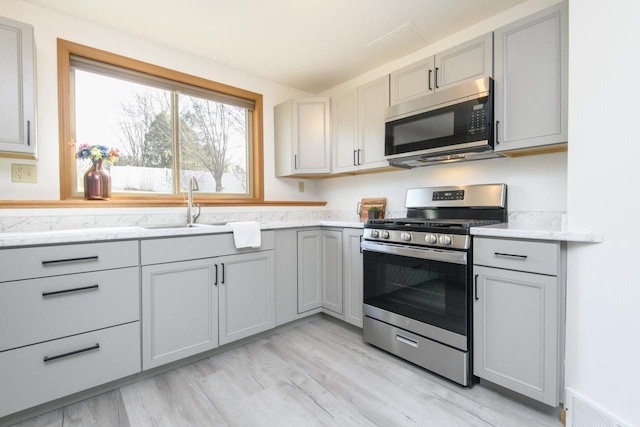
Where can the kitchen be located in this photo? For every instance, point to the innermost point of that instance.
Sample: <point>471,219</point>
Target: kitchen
<point>600,359</point>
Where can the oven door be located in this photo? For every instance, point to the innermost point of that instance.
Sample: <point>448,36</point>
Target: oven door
<point>419,289</point>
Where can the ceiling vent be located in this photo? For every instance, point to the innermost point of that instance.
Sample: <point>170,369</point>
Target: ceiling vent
<point>401,41</point>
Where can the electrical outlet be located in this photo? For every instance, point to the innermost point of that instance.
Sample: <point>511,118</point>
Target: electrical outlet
<point>301,186</point>
<point>24,173</point>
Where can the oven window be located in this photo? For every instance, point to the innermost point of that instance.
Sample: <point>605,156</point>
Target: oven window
<point>431,292</point>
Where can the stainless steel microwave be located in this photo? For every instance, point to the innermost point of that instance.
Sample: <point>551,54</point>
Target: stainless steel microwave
<point>451,125</point>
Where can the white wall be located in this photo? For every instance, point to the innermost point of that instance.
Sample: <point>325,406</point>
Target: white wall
<point>603,306</point>
<point>48,26</point>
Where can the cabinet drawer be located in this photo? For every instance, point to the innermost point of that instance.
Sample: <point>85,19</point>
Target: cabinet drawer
<point>27,380</point>
<point>29,263</point>
<point>158,251</point>
<point>37,310</point>
<point>521,255</point>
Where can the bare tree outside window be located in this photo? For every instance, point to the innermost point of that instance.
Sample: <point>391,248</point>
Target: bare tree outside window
<point>218,141</point>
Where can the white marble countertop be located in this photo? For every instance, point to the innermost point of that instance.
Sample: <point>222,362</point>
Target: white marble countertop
<point>144,232</point>
<point>512,229</point>
<point>537,231</point>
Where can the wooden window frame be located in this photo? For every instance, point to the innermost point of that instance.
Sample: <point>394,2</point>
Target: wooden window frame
<point>67,132</point>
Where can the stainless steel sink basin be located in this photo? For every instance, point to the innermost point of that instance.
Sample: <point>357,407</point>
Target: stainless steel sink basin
<point>171,226</point>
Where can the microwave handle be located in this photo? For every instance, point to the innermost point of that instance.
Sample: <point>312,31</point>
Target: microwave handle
<point>497,127</point>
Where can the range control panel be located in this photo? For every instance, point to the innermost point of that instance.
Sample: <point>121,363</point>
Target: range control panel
<point>448,195</point>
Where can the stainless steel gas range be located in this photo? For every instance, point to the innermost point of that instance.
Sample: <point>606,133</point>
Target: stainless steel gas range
<point>418,276</point>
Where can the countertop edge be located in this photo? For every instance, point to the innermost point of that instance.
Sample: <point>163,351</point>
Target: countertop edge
<point>541,233</point>
<point>11,240</point>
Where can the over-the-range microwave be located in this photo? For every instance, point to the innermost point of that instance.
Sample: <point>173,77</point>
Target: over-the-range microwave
<point>450,125</point>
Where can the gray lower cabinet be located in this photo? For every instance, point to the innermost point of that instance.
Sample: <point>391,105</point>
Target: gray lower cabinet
<point>518,316</point>
<point>69,320</point>
<point>247,297</point>
<point>320,270</point>
<point>195,305</point>
<point>531,81</point>
<point>17,91</point>
<point>179,311</point>
<point>353,284</point>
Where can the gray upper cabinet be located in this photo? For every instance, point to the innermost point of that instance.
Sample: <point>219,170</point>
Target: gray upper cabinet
<point>302,139</point>
<point>468,61</point>
<point>358,127</point>
<point>531,78</point>
<point>17,89</point>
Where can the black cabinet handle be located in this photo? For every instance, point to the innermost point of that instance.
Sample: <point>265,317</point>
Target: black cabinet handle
<point>361,243</point>
<point>430,72</point>
<point>436,80</point>
<point>497,127</point>
<point>216,282</point>
<point>71,353</point>
<point>222,264</point>
<point>503,255</point>
<point>355,162</point>
<point>359,151</point>
<point>70,260</point>
<point>475,288</point>
<point>295,161</point>
<point>66,291</point>
<point>29,132</point>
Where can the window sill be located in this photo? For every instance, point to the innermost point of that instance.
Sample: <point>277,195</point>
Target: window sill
<point>163,203</point>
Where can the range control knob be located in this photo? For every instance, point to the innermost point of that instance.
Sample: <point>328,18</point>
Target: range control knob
<point>405,236</point>
<point>374,234</point>
<point>445,240</point>
<point>430,238</point>
<point>384,234</point>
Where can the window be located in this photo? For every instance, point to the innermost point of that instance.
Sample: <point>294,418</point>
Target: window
<point>167,127</point>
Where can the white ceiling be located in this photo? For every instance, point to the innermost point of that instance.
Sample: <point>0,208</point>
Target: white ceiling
<point>310,45</point>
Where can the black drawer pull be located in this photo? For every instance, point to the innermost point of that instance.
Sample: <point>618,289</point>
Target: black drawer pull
<point>71,353</point>
<point>520,257</point>
<point>66,291</point>
<point>70,260</point>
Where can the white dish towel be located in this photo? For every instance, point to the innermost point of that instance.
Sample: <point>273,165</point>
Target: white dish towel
<point>246,234</point>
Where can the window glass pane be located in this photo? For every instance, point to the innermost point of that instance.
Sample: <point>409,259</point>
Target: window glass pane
<point>213,145</point>
<point>132,117</point>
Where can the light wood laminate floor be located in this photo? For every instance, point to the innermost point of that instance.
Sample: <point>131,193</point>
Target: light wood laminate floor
<point>314,373</point>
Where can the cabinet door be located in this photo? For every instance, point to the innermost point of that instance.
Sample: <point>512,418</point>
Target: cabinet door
<point>312,149</point>
<point>531,78</point>
<point>17,88</point>
<point>332,292</point>
<point>412,81</point>
<point>309,270</point>
<point>468,61</point>
<point>179,311</point>
<point>247,297</point>
<point>515,325</point>
<point>353,285</point>
<point>373,100</point>
<point>344,130</point>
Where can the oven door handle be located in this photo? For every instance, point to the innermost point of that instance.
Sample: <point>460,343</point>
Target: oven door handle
<point>453,257</point>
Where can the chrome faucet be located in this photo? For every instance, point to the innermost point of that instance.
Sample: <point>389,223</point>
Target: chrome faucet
<point>192,217</point>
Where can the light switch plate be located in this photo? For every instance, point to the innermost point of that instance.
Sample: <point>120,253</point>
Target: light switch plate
<point>24,173</point>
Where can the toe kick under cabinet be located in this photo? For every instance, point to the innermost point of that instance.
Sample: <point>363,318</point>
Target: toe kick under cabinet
<point>518,315</point>
<point>69,320</point>
<point>199,292</point>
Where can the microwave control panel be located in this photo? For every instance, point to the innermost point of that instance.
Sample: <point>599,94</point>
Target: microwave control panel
<point>478,118</point>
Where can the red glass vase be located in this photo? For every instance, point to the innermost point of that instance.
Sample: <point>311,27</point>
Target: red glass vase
<point>97,182</point>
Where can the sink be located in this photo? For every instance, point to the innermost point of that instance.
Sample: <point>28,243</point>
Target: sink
<point>171,226</point>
